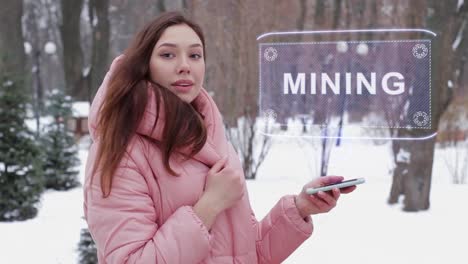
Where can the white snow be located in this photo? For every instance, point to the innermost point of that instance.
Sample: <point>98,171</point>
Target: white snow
<point>403,156</point>
<point>95,21</point>
<point>7,83</point>
<point>459,37</point>
<point>362,229</point>
<point>387,9</point>
<point>80,109</point>
<point>43,121</point>
<point>53,9</point>
<point>460,4</point>
<point>42,22</point>
<point>27,48</point>
<point>113,8</point>
<point>342,47</point>
<point>85,71</point>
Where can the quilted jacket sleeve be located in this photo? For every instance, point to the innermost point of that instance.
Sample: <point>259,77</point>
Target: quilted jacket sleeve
<point>125,229</point>
<point>281,231</point>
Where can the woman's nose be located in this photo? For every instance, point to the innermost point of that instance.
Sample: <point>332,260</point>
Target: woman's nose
<point>183,67</point>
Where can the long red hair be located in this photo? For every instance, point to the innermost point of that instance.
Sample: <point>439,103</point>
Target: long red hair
<point>125,101</point>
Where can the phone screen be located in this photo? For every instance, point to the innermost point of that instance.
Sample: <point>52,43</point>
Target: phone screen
<point>341,182</point>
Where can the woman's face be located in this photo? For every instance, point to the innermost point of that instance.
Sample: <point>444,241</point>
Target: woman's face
<point>177,62</point>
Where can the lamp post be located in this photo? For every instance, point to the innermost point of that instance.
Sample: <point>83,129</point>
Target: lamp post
<point>342,47</point>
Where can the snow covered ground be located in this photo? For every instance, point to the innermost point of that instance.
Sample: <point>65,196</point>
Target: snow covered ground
<point>361,229</point>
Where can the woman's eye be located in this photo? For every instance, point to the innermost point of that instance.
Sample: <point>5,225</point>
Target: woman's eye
<point>196,56</point>
<point>167,55</point>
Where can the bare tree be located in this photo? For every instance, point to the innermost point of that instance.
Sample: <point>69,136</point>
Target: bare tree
<point>99,19</point>
<point>72,52</point>
<point>12,57</point>
<point>127,18</point>
<point>412,176</point>
<point>453,145</point>
<point>171,5</point>
<point>231,28</point>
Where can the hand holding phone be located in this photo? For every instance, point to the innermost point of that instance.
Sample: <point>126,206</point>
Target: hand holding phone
<point>339,185</point>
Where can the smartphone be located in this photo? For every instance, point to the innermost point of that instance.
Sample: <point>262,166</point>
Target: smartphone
<point>338,185</point>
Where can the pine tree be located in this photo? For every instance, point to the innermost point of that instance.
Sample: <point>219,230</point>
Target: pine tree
<point>87,249</point>
<point>21,179</point>
<point>61,151</point>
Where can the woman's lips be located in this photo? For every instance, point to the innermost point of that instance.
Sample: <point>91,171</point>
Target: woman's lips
<point>183,88</point>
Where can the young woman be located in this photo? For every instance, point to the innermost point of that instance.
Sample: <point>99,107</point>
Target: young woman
<point>163,185</point>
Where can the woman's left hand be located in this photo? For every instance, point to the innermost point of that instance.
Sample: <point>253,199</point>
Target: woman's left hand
<point>321,202</point>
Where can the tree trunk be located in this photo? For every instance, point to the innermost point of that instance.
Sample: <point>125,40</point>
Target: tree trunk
<point>172,5</point>
<point>101,37</point>
<point>412,175</point>
<point>72,53</point>
<point>12,57</point>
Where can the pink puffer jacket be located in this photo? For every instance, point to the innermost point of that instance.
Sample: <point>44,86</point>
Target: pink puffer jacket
<point>148,217</point>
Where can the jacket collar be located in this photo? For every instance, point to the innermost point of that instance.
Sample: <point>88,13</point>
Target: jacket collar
<point>216,145</point>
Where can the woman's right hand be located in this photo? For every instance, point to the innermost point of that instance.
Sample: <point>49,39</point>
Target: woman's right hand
<point>224,186</point>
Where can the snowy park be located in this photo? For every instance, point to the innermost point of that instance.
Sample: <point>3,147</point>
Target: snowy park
<point>362,229</point>
<point>283,92</point>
